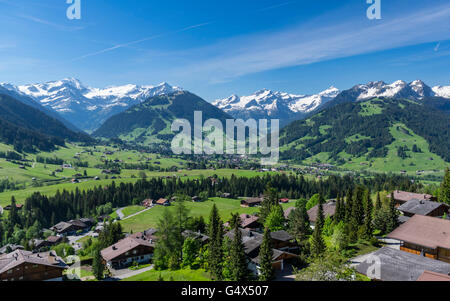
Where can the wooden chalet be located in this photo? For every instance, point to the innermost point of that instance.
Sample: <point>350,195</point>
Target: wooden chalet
<point>138,248</point>
<point>22,265</point>
<point>423,207</point>
<point>329,210</point>
<point>426,236</point>
<point>163,202</point>
<point>401,197</point>
<point>251,202</point>
<point>389,264</point>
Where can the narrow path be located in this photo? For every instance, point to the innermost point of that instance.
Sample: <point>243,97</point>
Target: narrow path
<point>129,274</point>
<point>137,213</point>
<point>120,213</point>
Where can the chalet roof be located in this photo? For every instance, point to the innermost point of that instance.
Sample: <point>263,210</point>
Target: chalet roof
<point>78,223</point>
<point>62,227</point>
<point>288,211</point>
<point>247,220</point>
<point>18,257</point>
<point>253,200</point>
<point>432,276</point>
<point>281,236</point>
<point>127,244</point>
<point>161,201</point>
<point>53,239</point>
<point>276,254</point>
<point>396,265</point>
<point>424,231</point>
<point>251,240</point>
<point>406,196</point>
<point>329,210</point>
<point>422,207</point>
<point>3,250</point>
<point>196,235</point>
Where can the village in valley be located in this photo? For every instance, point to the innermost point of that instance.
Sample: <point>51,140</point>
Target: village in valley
<point>202,229</point>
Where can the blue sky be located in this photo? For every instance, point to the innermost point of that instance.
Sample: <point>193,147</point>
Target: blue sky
<point>217,48</point>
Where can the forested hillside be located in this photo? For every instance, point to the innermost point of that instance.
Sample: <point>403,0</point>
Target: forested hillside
<point>29,129</point>
<point>371,129</point>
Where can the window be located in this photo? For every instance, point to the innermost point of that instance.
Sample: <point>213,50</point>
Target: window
<point>10,271</point>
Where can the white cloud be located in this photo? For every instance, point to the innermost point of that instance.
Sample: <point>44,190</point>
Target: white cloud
<point>251,54</point>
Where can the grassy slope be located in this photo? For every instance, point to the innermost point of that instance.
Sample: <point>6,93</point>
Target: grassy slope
<point>151,217</point>
<point>180,275</point>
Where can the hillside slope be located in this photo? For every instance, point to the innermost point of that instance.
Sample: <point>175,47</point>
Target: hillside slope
<point>384,134</point>
<point>28,128</point>
<point>150,121</point>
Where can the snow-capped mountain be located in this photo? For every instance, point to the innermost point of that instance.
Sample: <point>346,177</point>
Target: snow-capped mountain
<point>88,107</point>
<point>442,91</point>
<point>400,89</point>
<point>274,105</point>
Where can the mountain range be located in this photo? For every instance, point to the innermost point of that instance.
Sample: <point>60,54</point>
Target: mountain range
<point>290,107</point>
<point>85,107</point>
<point>275,105</point>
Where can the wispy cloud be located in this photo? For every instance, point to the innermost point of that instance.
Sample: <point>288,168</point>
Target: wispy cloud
<point>118,46</point>
<point>294,47</point>
<point>436,49</point>
<point>49,23</point>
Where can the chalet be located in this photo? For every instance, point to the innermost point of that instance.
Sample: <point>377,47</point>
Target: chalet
<point>225,195</point>
<point>433,277</point>
<point>250,222</point>
<point>10,248</point>
<point>147,203</point>
<point>22,265</point>
<point>425,235</point>
<point>401,197</point>
<point>54,240</point>
<point>284,201</point>
<point>204,239</point>
<point>423,207</point>
<point>389,264</point>
<point>163,202</point>
<point>251,202</point>
<point>252,242</point>
<point>38,244</point>
<point>283,241</point>
<point>71,227</point>
<point>278,260</point>
<point>329,210</point>
<point>138,248</point>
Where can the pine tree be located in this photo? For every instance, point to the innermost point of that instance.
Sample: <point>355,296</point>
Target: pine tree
<point>239,264</point>
<point>97,265</point>
<point>299,225</point>
<point>358,206</point>
<point>265,257</point>
<point>368,217</point>
<point>215,252</point>
<point>270,200</point>
<point>349,205</point>
<point>378,204</point>
<point>444,193</point>
<point>317,242</point>
<point>393,214</point>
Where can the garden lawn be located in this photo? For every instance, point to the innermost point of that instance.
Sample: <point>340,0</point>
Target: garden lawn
<point>180,275</point>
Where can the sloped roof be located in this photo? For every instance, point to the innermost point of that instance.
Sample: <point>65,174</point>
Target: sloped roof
<point>281,235</point>
<point>395,265</point>
<point>422,207</point>
<point>432,276</point>
<point>424,231</point>
<point>127,244</point>
<point>18,257</point>
<point>329,210</point>
<point>247,220</point>
<point>406,196</point>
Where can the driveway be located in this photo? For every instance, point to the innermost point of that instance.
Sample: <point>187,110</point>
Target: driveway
<point>120,213</point>
<point>73,240</point>
<point>126,273</point>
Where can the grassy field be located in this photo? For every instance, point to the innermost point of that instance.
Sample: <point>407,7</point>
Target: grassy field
<point>180,275</point>
<point>150,218</point>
